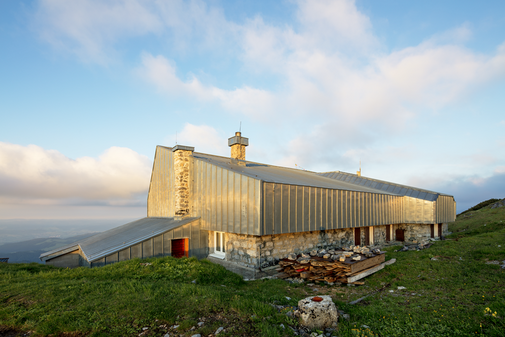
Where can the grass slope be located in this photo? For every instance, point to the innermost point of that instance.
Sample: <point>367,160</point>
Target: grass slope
<point>443,297</point>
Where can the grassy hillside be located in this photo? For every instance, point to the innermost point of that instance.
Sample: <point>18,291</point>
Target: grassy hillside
<point>450,291</point>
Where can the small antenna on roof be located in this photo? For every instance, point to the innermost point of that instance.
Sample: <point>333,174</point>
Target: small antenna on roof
<point>240,127</point>
<point>175,137</point>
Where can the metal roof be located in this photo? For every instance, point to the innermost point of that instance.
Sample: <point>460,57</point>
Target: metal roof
<point>333,180</point>
<point>282,175</point>
<point>102,244</point>
<point>381,185</point>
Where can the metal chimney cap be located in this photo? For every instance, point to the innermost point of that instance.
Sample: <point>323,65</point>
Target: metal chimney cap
<point>184,148</point>
<point>238,139</point>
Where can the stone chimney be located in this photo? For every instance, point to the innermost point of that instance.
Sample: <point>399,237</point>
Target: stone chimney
<point>238,144</point>
<point>182,161</point>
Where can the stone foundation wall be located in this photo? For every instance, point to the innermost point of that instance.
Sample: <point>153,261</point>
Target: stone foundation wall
<point>254,251</point>
<point>415,233</point>
<point>379,234</point>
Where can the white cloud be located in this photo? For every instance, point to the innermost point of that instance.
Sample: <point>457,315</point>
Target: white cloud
<point>320,83</point>
<point>161,72</point>
<point>31,174</point>
<point>203,138</point>
<point>90,28</point>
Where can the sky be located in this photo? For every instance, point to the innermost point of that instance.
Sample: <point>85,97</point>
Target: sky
<point>414,90</point>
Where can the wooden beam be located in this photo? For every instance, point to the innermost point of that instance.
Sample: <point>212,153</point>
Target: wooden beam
<point>365,273</point>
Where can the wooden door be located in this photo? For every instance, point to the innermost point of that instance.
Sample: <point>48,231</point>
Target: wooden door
<point>357,236</point>
<point>388,232</point>
<point>180,248</point>
<point>367,236</point>
<point>432,230</point>
<point>400,235</point>
<point>440,230</point>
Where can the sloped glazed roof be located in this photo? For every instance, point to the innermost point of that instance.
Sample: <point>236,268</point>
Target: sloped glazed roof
<point>102,244</point>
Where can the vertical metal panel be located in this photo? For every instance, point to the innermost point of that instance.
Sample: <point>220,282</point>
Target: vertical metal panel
<point>194,241</point>
<point>333,209</point>
<point>136,251</point>
<point>306,208</point>
<point>299,209</point>
<point>311,208</point>
<point>231,201</point>
<point>147,248</point>
<point>285,208</point>
<point>237,210</point>
<point>167,243</point>
<point>250,206</point>
<point>204,242</point>
<point>324,209</point>
<point>244,210</point>
<point>213,197</point>
<point>158,245</point>
<point>160,198</point>
<point>219,201</point>
<point>269,208</point>
<point>224,199</point>
<point>277,211</point>
<point>258,210</point>
<point>352,210</point>
<point>112,258</point>
<point>186,231</point>
<point>293,211</point>
<point>124,254</point>
<point>177,233</point>
<point>344,210</point>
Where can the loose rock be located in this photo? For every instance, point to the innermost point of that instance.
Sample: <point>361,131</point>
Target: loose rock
<point>318,315</point>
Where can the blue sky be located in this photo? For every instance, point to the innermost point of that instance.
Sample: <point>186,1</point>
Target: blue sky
<point>413,90</point>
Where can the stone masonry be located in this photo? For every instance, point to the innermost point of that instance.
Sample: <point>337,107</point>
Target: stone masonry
<point>182,157</point>
<point>415,233</point>
<point>238,151</point>
<point>238,146</point>
<point>255,251</point>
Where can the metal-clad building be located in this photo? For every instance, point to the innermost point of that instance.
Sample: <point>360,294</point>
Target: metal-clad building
<point>248,199</point>
<point>258,199</point>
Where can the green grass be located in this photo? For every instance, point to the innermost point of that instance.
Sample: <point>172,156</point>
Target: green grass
<point>446,297</point>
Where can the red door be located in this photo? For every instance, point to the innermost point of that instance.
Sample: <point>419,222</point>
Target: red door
<point>357,236</point>
<point>180,248</point>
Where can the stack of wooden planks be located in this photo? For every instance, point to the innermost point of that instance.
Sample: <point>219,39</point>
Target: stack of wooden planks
<point>348,268</point>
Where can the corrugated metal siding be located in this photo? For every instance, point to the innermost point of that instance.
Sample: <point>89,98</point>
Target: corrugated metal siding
<point>289,209</point>
<point>227,201</point>
<point>418,211</point>
<point>445,209</point>
<point>160,201</point>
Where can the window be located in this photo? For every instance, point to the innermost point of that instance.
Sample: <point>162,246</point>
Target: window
<point>219,245</point>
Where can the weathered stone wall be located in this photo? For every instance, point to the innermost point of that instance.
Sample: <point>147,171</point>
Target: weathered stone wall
<point>238,151</point>
<point>379,234</point>
<point>415,233</point>
<point>254,251</point>
<point>181,186</point>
